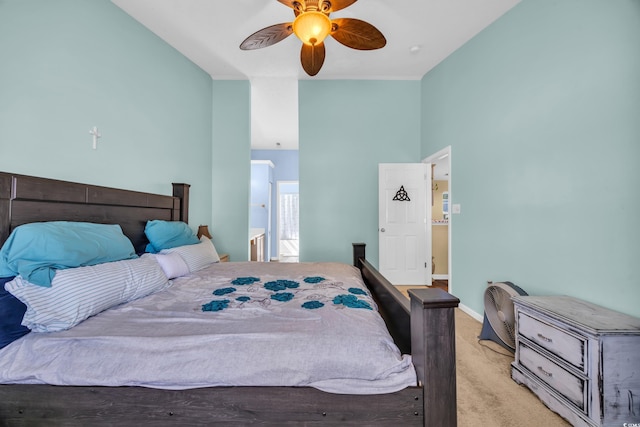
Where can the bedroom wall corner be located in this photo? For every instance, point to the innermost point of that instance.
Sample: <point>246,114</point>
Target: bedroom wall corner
<point>231,167</point>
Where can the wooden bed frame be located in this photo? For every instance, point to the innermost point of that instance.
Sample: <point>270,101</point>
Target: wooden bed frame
<point>423,327</point>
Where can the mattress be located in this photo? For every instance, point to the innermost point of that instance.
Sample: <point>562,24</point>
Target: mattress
<point>230,324</point>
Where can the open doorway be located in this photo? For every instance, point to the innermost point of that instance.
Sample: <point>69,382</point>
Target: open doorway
<point>288,235</point>
<point>285,170</point>
<point>441,223</point>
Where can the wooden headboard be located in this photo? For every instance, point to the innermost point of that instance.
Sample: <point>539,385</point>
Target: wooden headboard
<point>25,199</point>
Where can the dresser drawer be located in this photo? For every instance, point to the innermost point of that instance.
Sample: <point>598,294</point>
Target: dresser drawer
<point>563,344</point>
<point>569,385</point>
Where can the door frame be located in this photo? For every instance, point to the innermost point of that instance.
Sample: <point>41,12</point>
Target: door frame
<point>278,214</point>
<point>433,158</point>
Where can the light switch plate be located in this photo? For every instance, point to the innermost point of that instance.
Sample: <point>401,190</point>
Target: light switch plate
<point>455,208</point>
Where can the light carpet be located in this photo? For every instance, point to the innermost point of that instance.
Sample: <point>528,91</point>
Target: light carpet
<point>487,396</point>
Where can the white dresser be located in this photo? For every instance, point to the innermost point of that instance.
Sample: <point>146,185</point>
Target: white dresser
<point>581,360</point>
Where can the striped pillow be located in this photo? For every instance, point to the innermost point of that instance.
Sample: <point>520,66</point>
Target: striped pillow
<point>78,293</point>
<point>197,256</point>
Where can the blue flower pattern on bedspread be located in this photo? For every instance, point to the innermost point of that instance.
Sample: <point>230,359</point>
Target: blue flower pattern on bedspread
<point>351,301</point>
<point>281,285</point>
<point>245,280</point>
<point>310,305</point>
<point>309,294</point>
<point>282,296</point>
<point>216,305</point>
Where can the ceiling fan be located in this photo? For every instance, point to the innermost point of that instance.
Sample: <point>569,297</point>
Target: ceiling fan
<point>312,25</point>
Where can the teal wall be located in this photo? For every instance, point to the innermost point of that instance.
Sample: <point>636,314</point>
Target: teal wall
<point>346,129</point>
<point>69,65</point>
<point>542,112</point>
<point>231,168</point>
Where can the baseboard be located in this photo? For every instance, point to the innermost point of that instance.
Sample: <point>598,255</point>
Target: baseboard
<point>440,276</point>
<point>470,312</point>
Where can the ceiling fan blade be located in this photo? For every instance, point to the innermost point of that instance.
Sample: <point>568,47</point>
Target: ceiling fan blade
<point>267,36</point>
<point>338,4</point>
<point>288,3</point>
<point>297,5</point>
<point>312,58</point>
<point>357,34</point>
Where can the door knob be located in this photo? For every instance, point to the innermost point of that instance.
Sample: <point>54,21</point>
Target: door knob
<point>382,230</point>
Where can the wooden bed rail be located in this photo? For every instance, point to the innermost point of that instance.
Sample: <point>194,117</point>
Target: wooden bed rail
<point>425,328</point>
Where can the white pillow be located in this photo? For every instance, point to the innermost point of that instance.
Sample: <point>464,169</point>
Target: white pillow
<point>172,264</point>
<point>78,293</point>
<point>196,256</point>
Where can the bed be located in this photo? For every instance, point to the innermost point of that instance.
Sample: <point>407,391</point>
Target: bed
<point>422,327</point>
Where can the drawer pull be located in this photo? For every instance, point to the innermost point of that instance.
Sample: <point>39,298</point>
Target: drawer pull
<point>543,338</point>
<point>545,373</point>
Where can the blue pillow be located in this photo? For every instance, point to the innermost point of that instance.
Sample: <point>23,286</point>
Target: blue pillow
<point>11,313</point>
<point>36,250</point>
<point>168,234</point>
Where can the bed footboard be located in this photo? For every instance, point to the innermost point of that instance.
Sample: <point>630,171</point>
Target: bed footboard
<point>425,328</point>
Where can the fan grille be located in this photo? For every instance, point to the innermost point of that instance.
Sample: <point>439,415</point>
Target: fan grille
<point>500,313</point>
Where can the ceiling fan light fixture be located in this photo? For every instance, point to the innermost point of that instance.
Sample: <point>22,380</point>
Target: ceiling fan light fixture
<point>312,27</point>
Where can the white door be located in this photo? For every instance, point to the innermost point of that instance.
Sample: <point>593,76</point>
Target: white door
<point>404,201</point>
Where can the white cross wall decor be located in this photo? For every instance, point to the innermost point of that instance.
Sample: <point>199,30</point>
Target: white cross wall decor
<point>96,135</point>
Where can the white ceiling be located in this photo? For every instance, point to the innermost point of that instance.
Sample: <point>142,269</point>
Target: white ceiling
<point>419,33</point>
